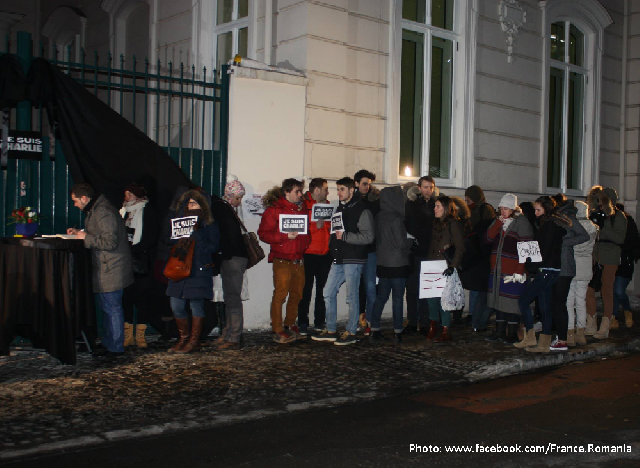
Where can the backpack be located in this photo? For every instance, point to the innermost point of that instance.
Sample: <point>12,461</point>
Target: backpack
<point>631,242</point>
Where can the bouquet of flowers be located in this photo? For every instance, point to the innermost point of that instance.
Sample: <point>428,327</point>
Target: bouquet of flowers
<point>24,215</point>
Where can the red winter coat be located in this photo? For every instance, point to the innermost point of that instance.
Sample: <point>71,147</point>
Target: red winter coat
<point>269,231</point>
<point>319,237</point>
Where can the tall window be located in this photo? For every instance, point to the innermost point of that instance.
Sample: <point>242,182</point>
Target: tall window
<point>232,30</point>
<point>426,87</point>
<point>567,81</point>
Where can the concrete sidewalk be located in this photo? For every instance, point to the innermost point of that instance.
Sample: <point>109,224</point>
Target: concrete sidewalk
<point>45,406</point>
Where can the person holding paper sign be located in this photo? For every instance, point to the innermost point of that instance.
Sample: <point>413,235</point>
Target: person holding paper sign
<point>447,234</point>
<point>552,229</point>
<point>199,285</point>
<point>349,251</point>
<point>317,259</point>
<point>504,234</point>
<point>287,256</point>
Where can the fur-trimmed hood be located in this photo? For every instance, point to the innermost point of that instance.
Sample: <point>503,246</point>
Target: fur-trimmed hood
<point>464,214</point>
<point>202,199</point>
<point>598,197</point>
<point>414,192</point>
<point>272,196</point>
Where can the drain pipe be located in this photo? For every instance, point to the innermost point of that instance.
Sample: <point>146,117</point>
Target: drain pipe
<point>623,104</point>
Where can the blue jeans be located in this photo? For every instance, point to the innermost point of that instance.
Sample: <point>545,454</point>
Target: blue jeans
<point>369,277</point>
<point>113,321</point>
<point>385,286</point>
<point>540,287</point>
<point>349,273</point>
<point>480,312</point>
<point>620,294</point>
<point>179,307</point>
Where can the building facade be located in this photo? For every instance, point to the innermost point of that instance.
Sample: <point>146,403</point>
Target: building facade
<point>523,96</point>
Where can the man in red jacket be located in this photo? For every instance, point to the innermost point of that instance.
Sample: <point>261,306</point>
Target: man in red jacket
<point>317,259</point>
<point>287,250</point>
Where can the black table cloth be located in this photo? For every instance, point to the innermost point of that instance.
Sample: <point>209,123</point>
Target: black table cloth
<point>45,286</point>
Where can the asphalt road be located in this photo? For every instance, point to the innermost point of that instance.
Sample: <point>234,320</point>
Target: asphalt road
<point>594,407</point>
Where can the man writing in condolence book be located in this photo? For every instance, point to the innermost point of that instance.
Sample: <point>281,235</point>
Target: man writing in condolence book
<point>105,234</point>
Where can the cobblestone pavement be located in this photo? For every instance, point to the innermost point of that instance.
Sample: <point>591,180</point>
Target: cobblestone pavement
<point>47,406</point>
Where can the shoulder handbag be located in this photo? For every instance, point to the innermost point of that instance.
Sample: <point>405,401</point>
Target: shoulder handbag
<point>596,279</point>
<point>180,261</point>
<point>255,254</point>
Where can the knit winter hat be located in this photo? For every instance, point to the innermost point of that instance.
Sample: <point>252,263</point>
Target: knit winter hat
<point>509,200</point>
<point>475,194</point>
<point>137,190</point>
<point>612,194</point>
<point>233,187</point>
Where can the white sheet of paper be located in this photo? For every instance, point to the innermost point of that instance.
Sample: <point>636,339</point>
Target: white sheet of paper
<point>431,279</point>
<point>529,249</point>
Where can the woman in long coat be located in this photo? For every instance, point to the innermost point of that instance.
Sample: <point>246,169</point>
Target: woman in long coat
<point>504,289</point>
<point>199,285</point>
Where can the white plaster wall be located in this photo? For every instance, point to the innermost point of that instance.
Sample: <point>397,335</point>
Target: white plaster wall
<point>266,145</point>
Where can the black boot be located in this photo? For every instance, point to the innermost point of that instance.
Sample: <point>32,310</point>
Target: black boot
<point>512,332</point>
<point>397,339</point>
<point>376,337</point>
<point>498,334</point>
<point>457,318</point>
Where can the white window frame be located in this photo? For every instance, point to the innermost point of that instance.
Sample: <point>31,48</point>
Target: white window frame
<point>463,92</point>
<point>590,18</point>
<point>234,26</point>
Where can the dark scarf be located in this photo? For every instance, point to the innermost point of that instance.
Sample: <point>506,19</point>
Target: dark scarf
<point>89,205</point>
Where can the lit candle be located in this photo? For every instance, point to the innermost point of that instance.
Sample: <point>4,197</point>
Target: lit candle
<point>407,171</point>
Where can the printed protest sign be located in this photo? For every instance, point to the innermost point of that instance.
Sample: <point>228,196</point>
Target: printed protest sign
<point>529,249</point>
<point>183,227</point>
<point>322,211</point>
<point>431,279</point>
<point>293,223</point>
<point>336,223</point>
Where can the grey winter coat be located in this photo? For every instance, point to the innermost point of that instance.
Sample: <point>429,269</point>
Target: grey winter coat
<point>392,243</point>
<point>583,253</point>
<point>576,234</point>
<point>110,251</point>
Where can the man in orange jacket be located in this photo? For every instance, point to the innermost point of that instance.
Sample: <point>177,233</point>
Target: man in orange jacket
<point>317,259</point>
<point>287,250</point>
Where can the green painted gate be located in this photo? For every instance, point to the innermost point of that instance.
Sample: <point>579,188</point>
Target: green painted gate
<point>156,98</point>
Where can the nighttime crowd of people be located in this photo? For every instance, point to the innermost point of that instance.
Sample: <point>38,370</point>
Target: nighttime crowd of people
<point>384,238</point>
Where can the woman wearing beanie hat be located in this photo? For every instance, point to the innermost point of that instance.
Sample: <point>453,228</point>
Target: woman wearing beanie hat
<point>504,290</point>
<point>234,255</point>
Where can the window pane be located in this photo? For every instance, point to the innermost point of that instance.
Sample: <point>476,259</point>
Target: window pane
<point>575,120</point>
<point>243,8</point>
<point>225,11</point>
<point>414,10</point>
<point>576,46</point>
<point>411,97</point>
<point>223,49</point>
<point>557,41</point>
<point>442,14</point>
<point>243,39</point>
<point>440,114</point>
<point>554,154</point>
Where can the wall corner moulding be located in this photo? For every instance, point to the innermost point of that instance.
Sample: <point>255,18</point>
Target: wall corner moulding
<point>512,16</point>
